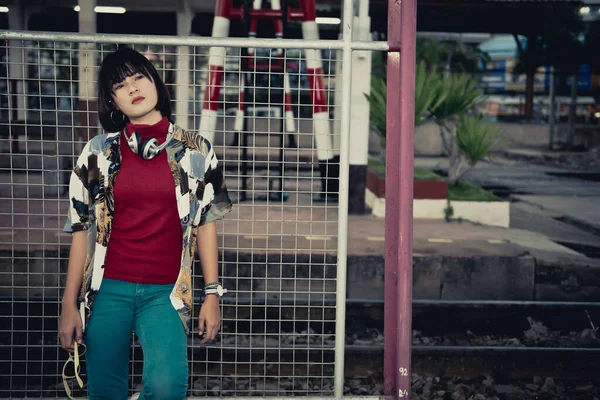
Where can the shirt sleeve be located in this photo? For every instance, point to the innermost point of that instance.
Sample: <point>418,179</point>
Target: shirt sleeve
<point>214,201</point>
<point>78,215</point>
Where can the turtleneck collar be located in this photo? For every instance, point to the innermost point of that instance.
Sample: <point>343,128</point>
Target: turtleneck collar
<point>157,130</point>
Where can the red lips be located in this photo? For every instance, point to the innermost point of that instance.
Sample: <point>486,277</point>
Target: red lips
<point>137,100</point>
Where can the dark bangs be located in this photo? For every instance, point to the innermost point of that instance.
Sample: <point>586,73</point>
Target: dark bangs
<point>117,66</point>
<point>118,70</point>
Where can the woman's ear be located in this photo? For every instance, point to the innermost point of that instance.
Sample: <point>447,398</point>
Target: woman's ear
<point>114,105</point>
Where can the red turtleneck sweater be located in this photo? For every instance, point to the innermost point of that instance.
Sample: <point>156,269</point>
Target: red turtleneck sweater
<point>146,240</point>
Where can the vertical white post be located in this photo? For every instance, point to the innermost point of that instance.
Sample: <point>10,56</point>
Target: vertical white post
<point>16,65</point>
<point>86,85</point>
<point>182,79</point>
<point>359,126</point>
<point>337,95</point>
<point>360,110</point>
<point>337,101</point>
<point>238,125</point>
<point>290,125</point>
<point>363,9</point>
<point>340,318</point>
<point>87,24</point>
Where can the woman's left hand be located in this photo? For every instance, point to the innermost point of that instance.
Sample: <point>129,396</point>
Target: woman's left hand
<point>209,319</point>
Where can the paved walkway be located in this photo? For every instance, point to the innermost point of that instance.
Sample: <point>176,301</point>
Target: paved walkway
<point>582,210</point>
<point>33,224</point>
<point>31,220</point>
<point>547,200</point>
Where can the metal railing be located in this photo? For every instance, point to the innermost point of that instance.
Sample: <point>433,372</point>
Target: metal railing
<point>279,243</point>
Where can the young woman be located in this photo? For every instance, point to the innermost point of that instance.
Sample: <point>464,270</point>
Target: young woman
<point>142,200</point>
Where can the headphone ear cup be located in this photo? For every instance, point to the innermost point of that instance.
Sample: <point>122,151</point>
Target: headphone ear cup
<point>139,143</point>
<point>148,149</point>
<point>135,142</point>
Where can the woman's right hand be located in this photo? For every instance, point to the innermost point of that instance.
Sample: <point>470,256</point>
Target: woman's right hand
<point>70,327</point>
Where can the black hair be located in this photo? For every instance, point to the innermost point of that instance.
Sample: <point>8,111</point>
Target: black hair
<point>115,68</point>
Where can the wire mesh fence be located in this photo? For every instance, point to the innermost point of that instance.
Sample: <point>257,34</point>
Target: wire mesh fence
<point>278,247</point>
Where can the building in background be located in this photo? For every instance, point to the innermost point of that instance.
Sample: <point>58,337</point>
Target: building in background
<point>506,89</point>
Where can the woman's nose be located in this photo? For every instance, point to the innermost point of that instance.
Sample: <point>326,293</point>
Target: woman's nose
<point>133,88</point>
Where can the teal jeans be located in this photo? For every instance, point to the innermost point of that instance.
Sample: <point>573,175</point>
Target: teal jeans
<point>119,309</point>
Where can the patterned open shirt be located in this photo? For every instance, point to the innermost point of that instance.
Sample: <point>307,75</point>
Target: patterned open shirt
<point>201,198</point>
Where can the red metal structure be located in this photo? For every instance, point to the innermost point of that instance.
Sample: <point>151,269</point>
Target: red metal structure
<point>251,14</point>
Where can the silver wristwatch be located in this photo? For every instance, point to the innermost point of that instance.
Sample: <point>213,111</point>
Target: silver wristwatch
<point>218,290</point>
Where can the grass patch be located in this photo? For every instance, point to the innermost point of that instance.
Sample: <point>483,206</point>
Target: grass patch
<point>420,173</point>
<point>464,191</point>
<point>423,174</point>
<point>376,165</point>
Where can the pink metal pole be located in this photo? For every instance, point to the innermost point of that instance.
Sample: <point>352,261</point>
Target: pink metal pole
<point>399,196</point>
<point>407,133</point>
<point>392,198</point>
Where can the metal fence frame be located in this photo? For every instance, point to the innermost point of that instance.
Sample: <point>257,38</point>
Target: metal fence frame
<point>398,236</point>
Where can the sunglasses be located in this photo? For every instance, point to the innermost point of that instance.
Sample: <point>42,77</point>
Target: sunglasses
<point>73,358</point>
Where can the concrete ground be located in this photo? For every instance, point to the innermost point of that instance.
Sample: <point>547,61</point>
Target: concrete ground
<point>546,206</point>
<point>545,200</point>
<point>583,210</point>
<point>541,257</point>
<point>551,213</point>
<point>31,221</point>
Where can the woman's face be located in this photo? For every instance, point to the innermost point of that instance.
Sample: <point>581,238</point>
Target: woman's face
<point>137,97</point>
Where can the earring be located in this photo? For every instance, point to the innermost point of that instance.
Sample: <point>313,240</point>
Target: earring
<point>113,120</point>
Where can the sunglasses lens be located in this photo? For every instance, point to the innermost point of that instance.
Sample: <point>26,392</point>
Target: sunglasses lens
<point>69,369</point>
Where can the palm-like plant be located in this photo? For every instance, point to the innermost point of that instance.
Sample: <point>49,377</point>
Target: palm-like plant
<point>445,98</point>
<point>428,96</point>
<point>377,105</point>
<point>475,138</point>
<point>459,93</point>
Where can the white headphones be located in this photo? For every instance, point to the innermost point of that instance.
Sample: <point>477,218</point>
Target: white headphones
<point>148,148</point>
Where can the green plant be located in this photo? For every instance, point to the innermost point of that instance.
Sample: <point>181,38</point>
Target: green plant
<point>422,174</point>
<point>459,93</point>
<point>446,98</point>
<point>473,141</point>
<point>448,213</point>
<point>377,105</point>
<point>428,96</point>
<point>476,137</point>
<point>464,191</point>
<point>428,93</point>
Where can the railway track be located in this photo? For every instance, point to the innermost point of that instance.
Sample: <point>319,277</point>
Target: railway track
<point>509,340</point>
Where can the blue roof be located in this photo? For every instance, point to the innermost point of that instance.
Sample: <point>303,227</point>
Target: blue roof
<point>502,46</point>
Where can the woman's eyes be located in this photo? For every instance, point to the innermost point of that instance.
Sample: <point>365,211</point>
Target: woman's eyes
<point>120,85</point>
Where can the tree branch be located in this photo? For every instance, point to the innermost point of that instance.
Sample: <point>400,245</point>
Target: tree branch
<point>519,44</point>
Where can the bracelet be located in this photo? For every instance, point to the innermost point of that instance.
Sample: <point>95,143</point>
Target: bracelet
<point>218,290</point>
<point>212,284</point>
